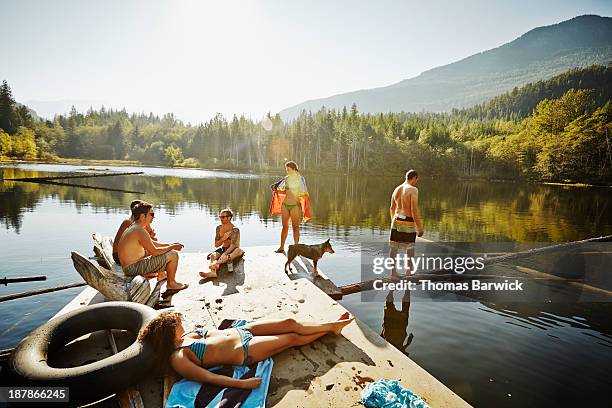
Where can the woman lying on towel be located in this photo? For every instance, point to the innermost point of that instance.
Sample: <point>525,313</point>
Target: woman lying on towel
<point>191,353</point>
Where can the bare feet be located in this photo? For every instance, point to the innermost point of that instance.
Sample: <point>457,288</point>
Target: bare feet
<point>280,250</point>
<point>345,319</point>
<point>206,275</point>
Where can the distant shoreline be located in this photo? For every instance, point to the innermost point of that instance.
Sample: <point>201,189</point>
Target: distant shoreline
<point>127,163</point>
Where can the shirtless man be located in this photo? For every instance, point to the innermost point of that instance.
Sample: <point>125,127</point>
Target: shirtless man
<point>227,241</point>
<point>162,259</point>
<point>124,225</point>
<point>405,220</point>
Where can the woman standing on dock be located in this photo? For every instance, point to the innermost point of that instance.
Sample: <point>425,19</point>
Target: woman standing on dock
<point>191,353</point>
<point>290,198</point>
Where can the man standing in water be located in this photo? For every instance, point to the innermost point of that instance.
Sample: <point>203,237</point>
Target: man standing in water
<point>405,220</point>
<point>162,259</point>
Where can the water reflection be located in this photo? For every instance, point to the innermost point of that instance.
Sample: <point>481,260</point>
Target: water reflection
<point>452,210</point>
<point>395,322</point>
<point>484,351</point>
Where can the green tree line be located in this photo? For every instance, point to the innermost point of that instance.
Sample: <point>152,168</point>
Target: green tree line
<point>564,136</point>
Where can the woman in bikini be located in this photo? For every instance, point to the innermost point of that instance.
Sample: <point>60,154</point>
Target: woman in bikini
<point>191,353</point>
<point>293,186</point>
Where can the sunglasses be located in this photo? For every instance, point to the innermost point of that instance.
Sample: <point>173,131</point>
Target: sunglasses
<point>224,216</point>
<point>152,214</point>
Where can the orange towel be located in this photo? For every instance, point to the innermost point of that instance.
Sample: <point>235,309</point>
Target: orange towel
<point>279,194</point>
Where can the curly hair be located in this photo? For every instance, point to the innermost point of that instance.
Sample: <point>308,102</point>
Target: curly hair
<point>160,334</point>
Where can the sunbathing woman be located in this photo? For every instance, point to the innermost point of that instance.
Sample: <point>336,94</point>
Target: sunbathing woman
<point>190,353</point>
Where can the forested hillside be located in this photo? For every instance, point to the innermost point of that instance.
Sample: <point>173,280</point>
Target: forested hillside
<point>520,102</point>
<point>564,138</point>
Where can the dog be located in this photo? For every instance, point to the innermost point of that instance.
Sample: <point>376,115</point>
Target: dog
<point>314,252</point>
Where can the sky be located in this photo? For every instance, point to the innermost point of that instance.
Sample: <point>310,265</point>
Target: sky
<point>196,58</point>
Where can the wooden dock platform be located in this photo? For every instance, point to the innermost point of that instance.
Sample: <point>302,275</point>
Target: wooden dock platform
<point>330,372</point>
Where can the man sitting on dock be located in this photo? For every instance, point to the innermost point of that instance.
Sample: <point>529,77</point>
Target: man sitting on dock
<point>124,225</point>
<point>162,260</point>
<point>227,241</point>
<point>405,219</point>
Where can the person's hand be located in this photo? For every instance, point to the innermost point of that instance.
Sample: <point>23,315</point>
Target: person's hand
<point>227,235</point>
<point>420,234</point>
<point>250,383</point>
<point>178,246</point>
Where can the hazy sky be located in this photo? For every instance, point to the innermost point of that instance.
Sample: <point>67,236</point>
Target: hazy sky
<point>195,58</point>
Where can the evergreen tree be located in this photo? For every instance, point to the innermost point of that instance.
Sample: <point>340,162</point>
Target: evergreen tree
<point>117,140</point>
<point>9,121</point>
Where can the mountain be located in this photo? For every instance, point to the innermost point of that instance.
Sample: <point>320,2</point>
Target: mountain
<point>538,54</point>
<point>520,102</point>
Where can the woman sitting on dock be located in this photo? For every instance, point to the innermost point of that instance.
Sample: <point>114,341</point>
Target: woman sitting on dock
<point>191,353</point>
<point>124,225</point>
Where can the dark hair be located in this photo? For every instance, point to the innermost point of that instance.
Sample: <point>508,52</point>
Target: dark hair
<point>134,203</point>
<point>227,211</point>
<point>160,334</point>
<point>411,174</point>
<point>141,208</point>
<point>292,165</point>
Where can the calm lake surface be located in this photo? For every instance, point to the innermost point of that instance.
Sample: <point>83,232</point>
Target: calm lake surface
<point>518,354</point>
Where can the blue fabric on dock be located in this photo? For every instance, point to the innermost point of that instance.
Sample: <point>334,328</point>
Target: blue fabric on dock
<point>191,394</point>
<point>389,394</point>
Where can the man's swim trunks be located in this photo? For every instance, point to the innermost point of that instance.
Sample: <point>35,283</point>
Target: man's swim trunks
<point>403,231</point>
<point>149,264</point>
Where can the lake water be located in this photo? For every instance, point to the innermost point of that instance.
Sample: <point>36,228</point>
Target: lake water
<point>502,355</point>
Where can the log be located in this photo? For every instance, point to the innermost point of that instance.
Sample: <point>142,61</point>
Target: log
<point>109,284</point>
<point>57,183</point>
<point>5,354</point>
<point>441,274</point>
<point>103,247</point>
<point>6,281</point>
<point>39,291</point>
<point>72,176</point>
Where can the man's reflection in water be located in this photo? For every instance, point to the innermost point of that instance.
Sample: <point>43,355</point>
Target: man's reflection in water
<point>395,323</point>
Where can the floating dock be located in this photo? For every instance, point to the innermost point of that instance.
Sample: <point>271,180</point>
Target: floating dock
<point>331,372</point>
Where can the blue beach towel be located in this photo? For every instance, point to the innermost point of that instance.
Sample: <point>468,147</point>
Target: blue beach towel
<point>389,394</point>
<point>191,394</point>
